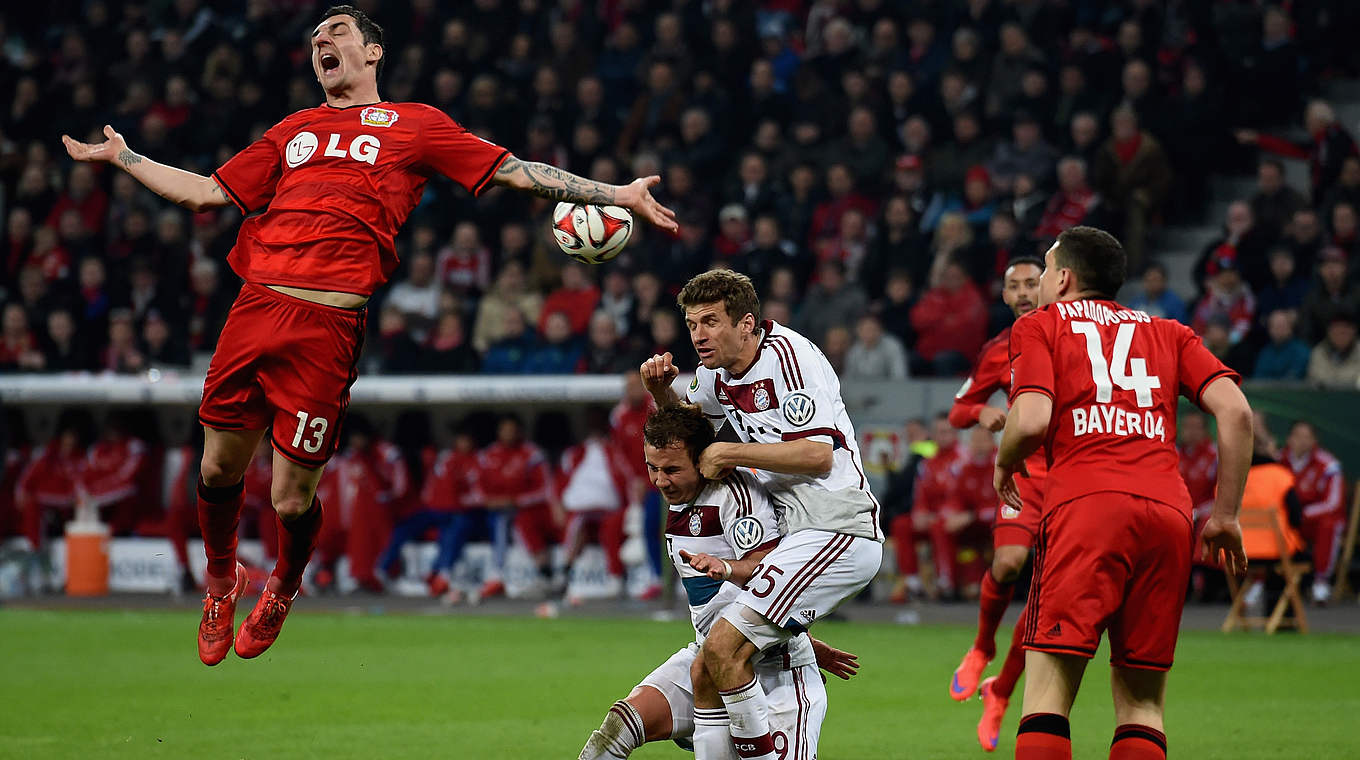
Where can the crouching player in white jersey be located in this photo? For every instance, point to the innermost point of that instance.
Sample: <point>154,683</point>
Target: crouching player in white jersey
<point>728,524</point>
<point>783,398</point>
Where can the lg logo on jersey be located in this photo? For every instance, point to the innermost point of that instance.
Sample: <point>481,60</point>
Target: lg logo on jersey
<point>363,148</point>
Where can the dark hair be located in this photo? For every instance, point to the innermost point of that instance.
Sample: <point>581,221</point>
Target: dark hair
<point>1018,260</point>
<point>1275,162</point>
<point>1095,257</point>
<point>679,423</point>
<point>373,34</point>
<point>1155,266</point>
<point>733,289</point>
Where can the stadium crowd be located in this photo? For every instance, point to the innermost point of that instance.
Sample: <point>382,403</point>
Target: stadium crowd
<point>872,164</point>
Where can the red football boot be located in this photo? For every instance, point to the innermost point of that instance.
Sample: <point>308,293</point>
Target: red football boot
<point>965,681</point>
<point>219,615</point>
<point>263,624</point>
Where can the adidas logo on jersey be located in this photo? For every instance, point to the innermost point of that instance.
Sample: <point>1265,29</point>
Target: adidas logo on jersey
<point>808,615</point>
<point>1056,630</point>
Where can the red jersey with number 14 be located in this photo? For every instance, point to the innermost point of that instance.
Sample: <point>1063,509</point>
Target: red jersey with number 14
<point>335,184</point>
<point>1114,375</point>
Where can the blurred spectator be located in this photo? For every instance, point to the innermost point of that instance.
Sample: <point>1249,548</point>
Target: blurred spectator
<point>949,163</point>
<point>575,299</point>
<point>64,349</point>
<point>374,482</point>
<point>734,233</point>
<point>1217,336</point>
<point>465,264</point>
<point>832,301</point>
<point>513,476</point>
<point>602,354</point>
<point>1025,153</point>
<point>934,491</point>
<point>1243,242</point>
<point>875,354</point>
<point>18,346</point>
<point>1327,147</point>
<point>1331,293</point>
<point>593,488</point>
<point>975,205</point>
<point>1156,298</point>
<point>1198,462</point>
<point>1028,203</point>
<point>206,305</point>
<point>447,349</point>
<point>46,491</point>
<point>1073,202</point>
<point>1132,175</point>
<point>835,344</point>
<point>559,352</point>
<point>616,299</point>
<point>161,345</point>
<point>510,293</point>
<point>1346,230</point>
<point>1285,357</point>
<point>1304,237</point>
<point>1004,242</point>
<point>1226,297</point>
<point>1320,484</point>
<point>1017,55</point>
<point>768,251</point>
<point>1286,289</point>
<point>1347,189</point>
<point>398,353</point>
<point>1196,133</point>
<point>510,354</point>
<point>416,296</point>
<point>842,195</point>
<point>862,151</point>
<point>899,296</point>
<point>1274,203</point>
<point>121,352</point>
<point>119,478</point>
<point>1335,361</point>
<point>950,320</point>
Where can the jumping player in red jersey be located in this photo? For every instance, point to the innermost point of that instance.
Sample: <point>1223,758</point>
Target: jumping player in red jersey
<point>331,186</point>
<point>1096,385</point>
<point>1013,532</point>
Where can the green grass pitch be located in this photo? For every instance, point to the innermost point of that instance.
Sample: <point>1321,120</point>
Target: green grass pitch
<point>129,685</point>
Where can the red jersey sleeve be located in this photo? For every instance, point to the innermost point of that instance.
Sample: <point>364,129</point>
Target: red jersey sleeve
<point>1198,367</point>
<point>250,177</point>
<point>992,372</point>
<point>1031,355</point>
<point>458,154</point>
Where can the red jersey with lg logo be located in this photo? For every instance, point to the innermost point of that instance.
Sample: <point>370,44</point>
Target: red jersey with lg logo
<point>326,190</point>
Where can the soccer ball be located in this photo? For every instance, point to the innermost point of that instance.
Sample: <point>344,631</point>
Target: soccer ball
<point>591,234</point>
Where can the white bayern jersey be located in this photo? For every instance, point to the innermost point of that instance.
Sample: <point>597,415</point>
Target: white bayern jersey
<point>727,519</point>
<point>791,392</point>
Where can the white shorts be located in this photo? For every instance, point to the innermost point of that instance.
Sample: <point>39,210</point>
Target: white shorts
<point>797,699</point>
<point>809,574</point>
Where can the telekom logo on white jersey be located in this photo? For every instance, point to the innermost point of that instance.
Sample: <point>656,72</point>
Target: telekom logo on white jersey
<point>363,148</point>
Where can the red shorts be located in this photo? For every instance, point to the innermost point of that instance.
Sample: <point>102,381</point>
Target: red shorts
<point>1110,561</point>
<point>284,363</point>
<point>1020,528</point>
<point>537,528</point>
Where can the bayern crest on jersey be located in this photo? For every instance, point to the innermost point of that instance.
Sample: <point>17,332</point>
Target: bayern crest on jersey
<point>762,399</point>
<point>747,533</point>
<point>696,523</point>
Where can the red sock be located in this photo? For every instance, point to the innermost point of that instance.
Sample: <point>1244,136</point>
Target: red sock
<point>1015,660</point>
<point>1137,742</point>
<point>991,607</point>
<point>1043,736</point>
<point>297,540</point>
<point>219,513</point>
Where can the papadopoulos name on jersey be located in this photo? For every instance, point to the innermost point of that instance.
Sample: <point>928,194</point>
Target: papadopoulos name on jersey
<point>1108,419</point>
<point>1101,314</point>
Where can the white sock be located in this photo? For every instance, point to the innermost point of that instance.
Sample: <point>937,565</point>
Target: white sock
<point>914,584</point>
<point>621,732</point>
<point>748,713</point>
<point>712,739</point>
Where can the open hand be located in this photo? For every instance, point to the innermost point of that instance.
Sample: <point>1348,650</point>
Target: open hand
<point>637,197</point>
<point>1003,480</point>
<point>108,151</point>
<point>840,664</point>
<point>1221,544</point>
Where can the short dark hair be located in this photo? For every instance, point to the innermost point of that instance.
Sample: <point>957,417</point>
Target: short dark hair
<point>1155,266</point>
<point>1095,256</point>
<point>373,34</point>
<point>1018,260</point>
<point>684,424</point>
<point>733,289</point>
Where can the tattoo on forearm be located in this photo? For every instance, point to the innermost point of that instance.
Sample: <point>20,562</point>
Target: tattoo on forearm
<point>554,184</point>
<point>128,158</point>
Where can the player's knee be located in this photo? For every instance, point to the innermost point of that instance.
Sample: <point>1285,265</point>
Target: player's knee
<point>217,473</point>
<point>293,504</point>
<point>1006,566</point>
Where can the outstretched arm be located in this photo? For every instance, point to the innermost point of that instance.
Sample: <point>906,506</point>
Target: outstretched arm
<point>555,184</point>
<point>192,191</point>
